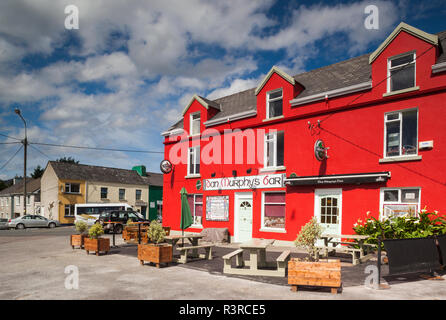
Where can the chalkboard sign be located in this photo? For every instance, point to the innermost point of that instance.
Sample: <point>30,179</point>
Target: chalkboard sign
<point>217,208</point>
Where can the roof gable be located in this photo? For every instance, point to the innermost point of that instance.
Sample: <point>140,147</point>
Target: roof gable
<point>431,38</point>
<point>273,70</point>
<point>203,101</point>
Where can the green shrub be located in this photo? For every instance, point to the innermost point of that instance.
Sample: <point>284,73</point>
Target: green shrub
<point>403,227</point>
<point>308,236</point>
<point>129,222</point>
<point>95,231</point>
<point>81,226</point>
<point>155,232</point>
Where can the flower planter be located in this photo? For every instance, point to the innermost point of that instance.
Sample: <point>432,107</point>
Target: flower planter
<point>97,245</point>
<point>161,253</point>
<point>321,274</point>
<point>130,234</point>
<point>78,240</point>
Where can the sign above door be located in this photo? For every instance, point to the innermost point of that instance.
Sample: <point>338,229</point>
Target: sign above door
<point>246,182</point>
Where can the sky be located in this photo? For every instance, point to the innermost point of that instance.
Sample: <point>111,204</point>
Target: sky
<point>131,67</point>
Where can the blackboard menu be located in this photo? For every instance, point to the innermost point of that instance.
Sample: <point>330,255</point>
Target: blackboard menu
<point>217,208</point>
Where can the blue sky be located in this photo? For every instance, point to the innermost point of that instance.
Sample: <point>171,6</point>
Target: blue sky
<point>125,75</point>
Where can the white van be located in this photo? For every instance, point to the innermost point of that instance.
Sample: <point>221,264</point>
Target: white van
<point>89,212</point>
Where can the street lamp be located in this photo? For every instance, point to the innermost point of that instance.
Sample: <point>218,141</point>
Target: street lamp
<point>25,144</point>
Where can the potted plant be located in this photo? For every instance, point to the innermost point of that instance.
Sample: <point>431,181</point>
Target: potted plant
<point>94,242</point>
<point>78,239</point>
<point>311,271</point>
<point>155,251</point>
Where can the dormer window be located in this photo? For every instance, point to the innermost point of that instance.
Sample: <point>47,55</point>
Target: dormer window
<point>195,123</point>
<point>274,105</point>
<point>401,72</point>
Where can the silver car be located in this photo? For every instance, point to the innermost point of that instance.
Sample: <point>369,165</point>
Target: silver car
<point>32,221</point>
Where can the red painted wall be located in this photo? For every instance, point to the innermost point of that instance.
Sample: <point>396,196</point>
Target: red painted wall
<point>352,126</point>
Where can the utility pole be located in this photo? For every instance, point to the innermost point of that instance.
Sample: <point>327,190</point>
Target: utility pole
<point>25,145</point>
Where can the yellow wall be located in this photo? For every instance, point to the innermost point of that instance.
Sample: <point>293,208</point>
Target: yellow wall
<point>68,198</point>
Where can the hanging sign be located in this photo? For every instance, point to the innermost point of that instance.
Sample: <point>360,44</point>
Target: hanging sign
<point>246,182</point>
<point>320,151</point>
<point>166,166</point>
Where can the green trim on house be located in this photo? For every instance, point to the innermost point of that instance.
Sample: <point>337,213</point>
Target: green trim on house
<point>155,199</point>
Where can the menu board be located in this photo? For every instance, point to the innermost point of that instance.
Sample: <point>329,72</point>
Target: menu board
<point>217,208</point>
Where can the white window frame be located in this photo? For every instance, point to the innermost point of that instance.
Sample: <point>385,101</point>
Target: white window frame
<point>399,202</point>
<point>17,201</point>
<point>272,139</point>
<point>400,119</point>
<point>268,100</point>
<point>106,192</point>
<point>136,194</point>
<point>68,190</point>
<point>196,156</point>
<point>269,229</point>
<point>196,225</point>
<point>390,68</point>
<point>191,123</point>
<point>70,213</point>
<point>119,194</point>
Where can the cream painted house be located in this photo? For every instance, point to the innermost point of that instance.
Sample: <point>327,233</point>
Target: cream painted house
<point>66,184</point>
<point>12,203</point>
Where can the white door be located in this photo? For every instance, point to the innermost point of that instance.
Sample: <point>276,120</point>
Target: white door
<point>243,217</point>
<point>328,210</point>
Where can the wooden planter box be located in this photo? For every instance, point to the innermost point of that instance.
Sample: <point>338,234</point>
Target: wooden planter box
<point>97,245</point>
<point>321,274</point>
<point>131,234</point>
<point>156,254</point>
<point>77,240</point>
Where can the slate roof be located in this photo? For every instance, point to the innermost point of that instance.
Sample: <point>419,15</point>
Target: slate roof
<point>32,185</point>
<point>339,75</point>
<point>85,172</point>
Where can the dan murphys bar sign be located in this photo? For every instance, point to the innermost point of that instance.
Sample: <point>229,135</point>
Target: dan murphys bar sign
<point>247,182</point>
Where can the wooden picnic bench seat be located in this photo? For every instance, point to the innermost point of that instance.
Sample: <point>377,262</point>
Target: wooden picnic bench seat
<point>228,258</point>
<point>343,249</point>
<point>185,250</point>
<point>282,262</point>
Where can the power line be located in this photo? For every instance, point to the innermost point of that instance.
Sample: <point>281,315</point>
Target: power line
<point>4,135</point>
<point>93,148</point>
<point>35,148</point>
<point>9,142</point>
<point>11,157</point>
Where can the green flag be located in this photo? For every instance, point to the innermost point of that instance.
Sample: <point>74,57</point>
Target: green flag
<point>186,216</point>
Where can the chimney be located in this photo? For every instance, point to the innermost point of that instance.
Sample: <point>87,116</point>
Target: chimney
<point>141,170</point>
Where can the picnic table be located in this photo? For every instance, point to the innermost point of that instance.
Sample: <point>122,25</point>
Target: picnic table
<point>337,245</point>
<point>257,260</point>
<point>190,252</point>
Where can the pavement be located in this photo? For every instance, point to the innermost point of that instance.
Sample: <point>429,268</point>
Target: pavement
<point>37,263</point>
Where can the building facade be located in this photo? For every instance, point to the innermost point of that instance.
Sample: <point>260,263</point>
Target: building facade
<point>67,184</point>
<point>12,202</point>
<point>362,135</point>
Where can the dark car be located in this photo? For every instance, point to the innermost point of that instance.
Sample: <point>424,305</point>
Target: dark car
<point>121,217</point>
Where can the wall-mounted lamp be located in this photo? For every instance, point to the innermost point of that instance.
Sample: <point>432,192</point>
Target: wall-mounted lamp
<point>234,173</point>
<point>213,174</point>
<point>249,171</point>
<point>61,189</point>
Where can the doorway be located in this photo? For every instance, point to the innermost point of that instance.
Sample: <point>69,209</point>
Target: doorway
<point>243,217</point>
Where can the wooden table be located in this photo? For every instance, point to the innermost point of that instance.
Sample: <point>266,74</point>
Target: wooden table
<point>139,229</point>
<point>257,260</point>
<point>336,239</point>
<point>193,239</point>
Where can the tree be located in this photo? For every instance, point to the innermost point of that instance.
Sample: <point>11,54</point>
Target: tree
<point>38,172</point>
<point>67,160</point>
<point>3,185</point>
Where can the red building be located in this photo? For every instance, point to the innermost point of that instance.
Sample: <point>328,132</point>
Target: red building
<point>365,134</point>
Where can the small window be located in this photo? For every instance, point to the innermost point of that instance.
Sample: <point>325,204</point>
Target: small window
<point>196,208</point>
<point>401,72</point>
<point>274,104</point>
<point>69,210</point>
<point>72,188</point>
<point>121,194</point>
<point>400,202</point>
<point>401,133</point>
<point>194,161</point>
<point>104,193</point>
<point>274,210</point>
<point>195,123</point>
<point>138,194</point>
<point>274,149</point>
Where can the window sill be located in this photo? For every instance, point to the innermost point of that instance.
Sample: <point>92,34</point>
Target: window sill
<point>76,193</point>
<point>196,226</point>
<point>193,176</point>
<point>273,118</point>
<point>392,93</point>
<point>272,169</point>
<point>275,230</point>
<point>400,159</point>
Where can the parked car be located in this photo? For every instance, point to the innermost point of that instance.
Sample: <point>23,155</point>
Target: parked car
<point>121,217</point>
<point>3,223</point>
<point>32,221</point>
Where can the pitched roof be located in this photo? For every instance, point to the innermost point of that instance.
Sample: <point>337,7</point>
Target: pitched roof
<point>154,179</point>
<point>73,171</point>
<point>343,74</point>
<point>32,185</point>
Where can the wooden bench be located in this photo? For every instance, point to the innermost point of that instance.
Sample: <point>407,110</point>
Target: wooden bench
<point>347,250</point>
<point>228,258</point>
<point>185,250</point>
<point>282,262</point>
